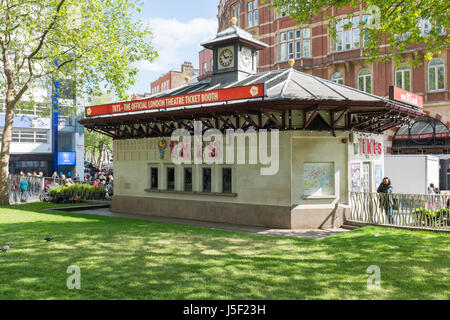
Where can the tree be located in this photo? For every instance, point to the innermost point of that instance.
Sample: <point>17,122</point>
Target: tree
<point>399,23</point>
<point>91,42</point>
<point>96,144</point>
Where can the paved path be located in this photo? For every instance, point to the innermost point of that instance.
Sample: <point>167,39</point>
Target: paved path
<point>300,233</point>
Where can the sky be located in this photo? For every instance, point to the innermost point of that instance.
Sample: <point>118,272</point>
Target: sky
<point>179,26</point>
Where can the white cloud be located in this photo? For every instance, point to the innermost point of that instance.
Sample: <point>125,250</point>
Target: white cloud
<point>177,42</point>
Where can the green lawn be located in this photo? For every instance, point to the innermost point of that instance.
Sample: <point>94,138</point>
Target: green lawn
<point>131,259</point>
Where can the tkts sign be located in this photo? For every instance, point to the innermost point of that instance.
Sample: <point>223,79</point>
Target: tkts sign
<point>368,147</point>
<point>246,92</point>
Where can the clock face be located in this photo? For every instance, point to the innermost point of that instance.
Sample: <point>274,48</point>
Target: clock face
<point>226,57</point>
<point>246,57</point>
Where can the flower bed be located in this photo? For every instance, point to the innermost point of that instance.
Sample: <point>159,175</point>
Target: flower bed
<point>77,193</point>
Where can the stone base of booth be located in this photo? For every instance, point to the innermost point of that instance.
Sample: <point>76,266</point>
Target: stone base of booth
<point>276,217</point>
<point>319,216</point>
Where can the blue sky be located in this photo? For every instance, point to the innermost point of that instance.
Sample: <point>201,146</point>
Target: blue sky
<point>178,27</point>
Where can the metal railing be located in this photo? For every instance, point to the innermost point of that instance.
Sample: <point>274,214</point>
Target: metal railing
<point>411,210</point>
<point>25,189</point>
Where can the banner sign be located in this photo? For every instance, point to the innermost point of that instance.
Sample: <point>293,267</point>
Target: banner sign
<point>405,97</point>
<point>67,159</point>
<point>246,92</point>
<point>422,136</point>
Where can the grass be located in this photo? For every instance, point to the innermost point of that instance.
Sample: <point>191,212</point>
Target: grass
<point>131,259</point>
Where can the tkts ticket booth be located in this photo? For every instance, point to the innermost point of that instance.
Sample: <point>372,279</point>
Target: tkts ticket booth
<point>280,149</point>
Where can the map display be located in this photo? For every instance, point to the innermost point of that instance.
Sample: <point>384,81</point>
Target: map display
<point>319,179</point>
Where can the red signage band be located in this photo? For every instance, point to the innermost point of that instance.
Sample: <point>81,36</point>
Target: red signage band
<point>246,92</point>
<point>404,96</point>
<point>422,136</point>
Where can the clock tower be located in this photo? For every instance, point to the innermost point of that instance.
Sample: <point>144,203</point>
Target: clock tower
<point>234,54</point>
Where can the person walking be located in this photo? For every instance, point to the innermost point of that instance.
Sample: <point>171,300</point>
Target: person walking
<point>385,189</point>
<point>23,185</point>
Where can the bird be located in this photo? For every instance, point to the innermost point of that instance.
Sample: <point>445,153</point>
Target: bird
<point>5,248</point>
<point>48,239</point>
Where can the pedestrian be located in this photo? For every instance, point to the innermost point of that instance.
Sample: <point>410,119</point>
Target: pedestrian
<point>23,185</point>
<point>431,189</point>
<point>385,189</point>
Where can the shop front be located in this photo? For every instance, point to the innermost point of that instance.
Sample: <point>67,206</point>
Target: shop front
<point>280,149</point>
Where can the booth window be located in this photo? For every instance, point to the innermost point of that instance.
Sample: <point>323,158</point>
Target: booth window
<point>365,80</point>
<point>226,180</point>
<point>206,180</point>
<point>154,178</point>
<point>170,178</point>
<point>187,179</point>
<point>403,77</point>
<point>436,75</point>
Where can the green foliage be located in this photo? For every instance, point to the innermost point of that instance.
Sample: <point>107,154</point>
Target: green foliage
<point>94,43</point>
<point>431,217</point>
<point>84,191</point>
<point>397,24</point>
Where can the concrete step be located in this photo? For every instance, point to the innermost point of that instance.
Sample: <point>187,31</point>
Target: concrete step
<point>350,227</point>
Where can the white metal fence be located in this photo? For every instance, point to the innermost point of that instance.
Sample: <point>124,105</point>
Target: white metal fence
<point>412,210</point>
<point>23,189</point>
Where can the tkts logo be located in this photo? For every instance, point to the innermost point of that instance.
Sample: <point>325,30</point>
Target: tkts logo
<point>368,147</point>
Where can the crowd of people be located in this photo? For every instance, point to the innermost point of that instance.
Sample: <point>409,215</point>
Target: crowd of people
<point>27,185</point>
<point>103,178</point>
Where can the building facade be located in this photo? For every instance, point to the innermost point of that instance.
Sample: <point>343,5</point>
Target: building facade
<point>342,61</point>
<point>205,62</point>
<point>45,139</point>
<point>173,79</point>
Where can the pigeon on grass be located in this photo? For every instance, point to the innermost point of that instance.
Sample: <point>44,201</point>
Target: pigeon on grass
<point>7,247</point>
<point>48,239</point>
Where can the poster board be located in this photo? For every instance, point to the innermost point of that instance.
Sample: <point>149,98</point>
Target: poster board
<point>318,179</point>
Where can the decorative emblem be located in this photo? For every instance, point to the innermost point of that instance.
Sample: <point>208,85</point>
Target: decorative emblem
<point>161,146</point>
<point>89,111</point>
<point>254,91</point>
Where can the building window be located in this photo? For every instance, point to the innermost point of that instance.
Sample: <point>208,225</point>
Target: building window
<point>154,178</point>
<point>205,67</point>
<point>187,179</point>
<point>295,44</point>
<point>252,13</point>
<point>226,180</point>
<point>347,38</point>
<point>236,12</point>
<point>403,77</point>
<point>206,180</point>
<point>337,77</point>
<point>211,65</point>
<point>28,136</point>
<point>425,26</point>
<point>170,178</point>
<point>365,80</point>
<point>436,75</point>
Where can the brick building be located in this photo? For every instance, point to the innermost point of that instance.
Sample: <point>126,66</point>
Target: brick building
<point>342,61</point>
<point>205,63</point>
<point>173,79</point>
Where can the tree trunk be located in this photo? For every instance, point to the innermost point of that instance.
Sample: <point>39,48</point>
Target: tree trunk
<point>4,153</point>
<point>100,155</point>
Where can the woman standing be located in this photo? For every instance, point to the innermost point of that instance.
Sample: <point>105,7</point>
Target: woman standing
<point>386,189</point>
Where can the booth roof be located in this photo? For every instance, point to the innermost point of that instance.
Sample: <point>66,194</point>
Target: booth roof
<point>284,89</point>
